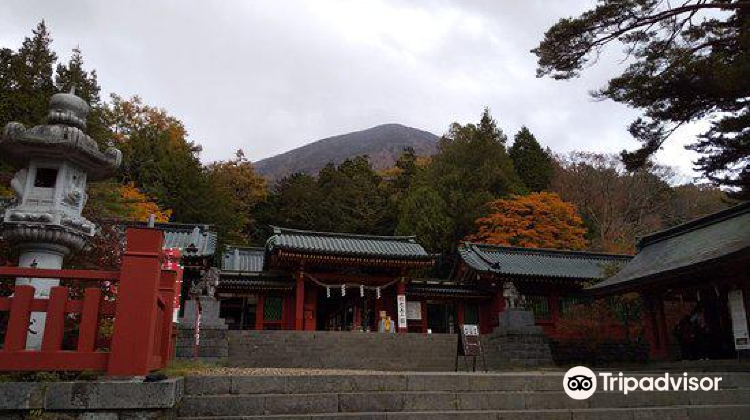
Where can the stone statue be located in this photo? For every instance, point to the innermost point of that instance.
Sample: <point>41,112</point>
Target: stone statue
<point>206,286</point>
<point>511,295</point>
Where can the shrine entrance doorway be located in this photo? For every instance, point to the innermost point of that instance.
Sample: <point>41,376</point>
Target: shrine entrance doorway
<point>346,313</point>
<point>441,317</point>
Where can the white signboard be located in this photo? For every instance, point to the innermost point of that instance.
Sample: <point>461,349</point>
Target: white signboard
<point>414,310</point>
<point>401,303</point>
<point>470,329</point>
<point>739,320</point>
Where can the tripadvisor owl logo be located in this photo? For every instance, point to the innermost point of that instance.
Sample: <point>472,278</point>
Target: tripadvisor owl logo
<point>579,383</point>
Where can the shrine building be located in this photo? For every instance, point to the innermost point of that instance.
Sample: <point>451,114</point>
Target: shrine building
<point>695,281</point>
<point>305,280</point>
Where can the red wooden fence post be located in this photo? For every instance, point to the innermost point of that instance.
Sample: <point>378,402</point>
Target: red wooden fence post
<point>20,314</point>
<point>55,324</point>
<point>88,330</point>
<point>136,313</point>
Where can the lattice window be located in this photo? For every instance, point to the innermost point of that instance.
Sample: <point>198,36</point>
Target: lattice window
<point>539,304</point>
<point>272,308</point>
<point>567,302</point>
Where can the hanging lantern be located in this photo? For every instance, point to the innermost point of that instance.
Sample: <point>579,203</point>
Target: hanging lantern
<point>377,292</point>
<point>343,290</point>
<point>361,290</point>
<point>328,291</point>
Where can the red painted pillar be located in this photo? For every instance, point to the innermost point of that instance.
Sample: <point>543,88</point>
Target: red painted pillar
<point>498,305</point>
<point>311,303</point>
<point>135,317</point>
<point>662,323</point>
<point>400,291</point>
<point>655,327</point>
<point>299,302</point>
<point>259,312</point>
<point>554,310</point>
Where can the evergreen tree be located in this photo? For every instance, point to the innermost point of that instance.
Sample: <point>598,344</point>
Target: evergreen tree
<point>533,164</point>
<point>424,212</point>
<point>346,198</point>
<point>471,169</point>
<point>26,79</point>
<point>353,200</point>
<point>688,61</point>
<point>87,87</point>
<point>294,202</point>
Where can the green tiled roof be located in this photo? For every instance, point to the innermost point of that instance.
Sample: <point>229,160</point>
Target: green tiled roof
<point>181,235</point>
<point>693,243</point>
<point>345,244</point>
<point>535,262</point>
<point>246,259</point>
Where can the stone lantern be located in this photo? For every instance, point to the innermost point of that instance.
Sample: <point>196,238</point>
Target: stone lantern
<point>54,162</point>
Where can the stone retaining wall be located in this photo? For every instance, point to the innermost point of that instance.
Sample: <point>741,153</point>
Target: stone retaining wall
<point>213,346</point>
<point>342,350</point>
<point>383,352</point>
<point>104,399</point>
<point>571,352</point>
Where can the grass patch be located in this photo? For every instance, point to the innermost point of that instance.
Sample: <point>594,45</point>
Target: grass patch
<point>187,367</point>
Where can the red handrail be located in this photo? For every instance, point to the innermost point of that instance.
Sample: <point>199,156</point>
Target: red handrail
<point>142,338</point>
<point>44,273</point>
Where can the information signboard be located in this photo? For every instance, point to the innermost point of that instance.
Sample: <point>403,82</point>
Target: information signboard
<point>470,345</point>
<point>739,320</point>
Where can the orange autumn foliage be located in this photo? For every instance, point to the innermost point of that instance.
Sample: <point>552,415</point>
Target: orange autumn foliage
<point>537,220</point>
<point>140,206</point>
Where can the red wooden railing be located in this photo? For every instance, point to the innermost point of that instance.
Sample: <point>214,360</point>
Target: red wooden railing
<point>142,337</point>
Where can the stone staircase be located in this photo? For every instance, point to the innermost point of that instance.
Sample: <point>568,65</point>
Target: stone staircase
<point>458,396</point>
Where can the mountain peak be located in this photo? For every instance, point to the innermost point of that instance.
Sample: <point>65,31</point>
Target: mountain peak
<point>383,144</point>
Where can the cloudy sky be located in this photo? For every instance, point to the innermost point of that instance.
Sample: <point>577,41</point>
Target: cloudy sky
<point>268,76</point>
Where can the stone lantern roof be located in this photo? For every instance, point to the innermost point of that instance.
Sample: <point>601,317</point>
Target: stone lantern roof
<point>61,138</point>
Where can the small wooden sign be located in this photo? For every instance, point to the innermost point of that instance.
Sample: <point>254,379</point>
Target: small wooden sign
<point>469,344</point>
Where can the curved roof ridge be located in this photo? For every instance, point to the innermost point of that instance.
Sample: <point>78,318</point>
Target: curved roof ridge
<point>695,224</point>
<point>485,258</point>
<point>246,247</point>
<point>549,251</point>
<point>277,230</point>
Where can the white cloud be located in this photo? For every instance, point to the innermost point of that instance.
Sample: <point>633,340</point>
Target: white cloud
<point>268,76</point>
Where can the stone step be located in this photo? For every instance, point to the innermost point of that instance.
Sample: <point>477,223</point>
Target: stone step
<point>363,402</point>
<point>414,381</point>
<point>705,412</point>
